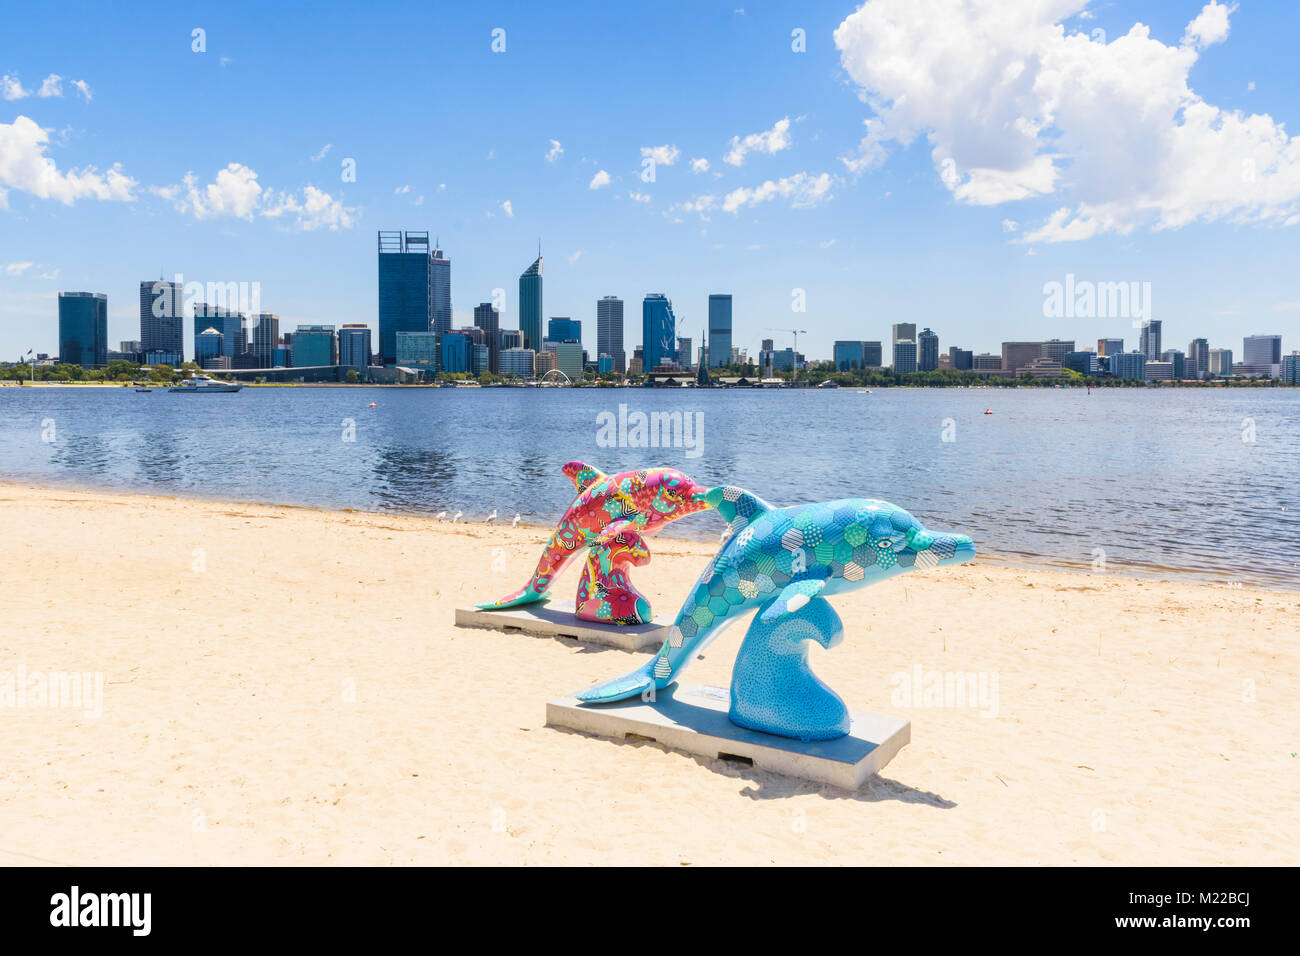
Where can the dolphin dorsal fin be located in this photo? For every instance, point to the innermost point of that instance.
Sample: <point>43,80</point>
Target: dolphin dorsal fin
<point>582,475</point>
<point>736,505</point>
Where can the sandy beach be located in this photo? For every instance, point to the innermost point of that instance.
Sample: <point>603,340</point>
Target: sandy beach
<point>286,686</point>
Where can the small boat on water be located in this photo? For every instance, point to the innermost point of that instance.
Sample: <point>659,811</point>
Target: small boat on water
<point>144,389</point>
<point>203,383</point>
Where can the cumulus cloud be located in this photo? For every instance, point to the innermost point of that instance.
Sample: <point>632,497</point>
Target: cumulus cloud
<point>24,167</point>
<point>599,180</point>
<point>1016,107</point>
<point>17,268</point>
<point>700,165</point>
<point>323,150</point>
<point>555,152</point>
<point>236,193</point>
<point>638,197</point>
<point>575,256</point>
<point>665,155</point>
<point>770,141</point>
<point>509,209</point>
<point>801,191</point>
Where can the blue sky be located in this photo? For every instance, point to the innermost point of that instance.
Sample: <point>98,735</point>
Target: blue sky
<point>945,218</point>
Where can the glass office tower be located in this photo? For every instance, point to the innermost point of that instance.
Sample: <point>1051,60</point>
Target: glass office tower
<point>658,330</point>
<point>530,305</point>
<point>83,328</point>
<point>406,297</point>
<point>719,331</point>
<point>609,330</point>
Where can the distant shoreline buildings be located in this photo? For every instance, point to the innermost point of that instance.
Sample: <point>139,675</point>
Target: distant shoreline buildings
<point>416,339</point>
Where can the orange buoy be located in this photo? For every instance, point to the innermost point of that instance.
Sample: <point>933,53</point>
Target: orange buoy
<point>372,404</point>
<point>988,411</point>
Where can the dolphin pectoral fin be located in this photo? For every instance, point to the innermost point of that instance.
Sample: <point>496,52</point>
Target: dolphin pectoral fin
<point>621,688</point>
<point>792,598</point>
<point>582,475</point>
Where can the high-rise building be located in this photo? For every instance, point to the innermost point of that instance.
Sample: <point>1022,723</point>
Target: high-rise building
<point>561,328</point>
<point>263,336</point>
<point>684,346</point>
<point>1128,365</point>
<point>517,362</point>
<point>568,358</point>
<point>1177,362</point>
<point>927,349</point>
<point>905,332</point>
<point>848,355</point>
<point>609,330</point>
<point>313,345</point>
<point>1220,362</point>
<point>1085,363</point>
<point>83,328</point>
<point>418,350</point>
<point>530,305</point>
<point>872,355</point>
<point>1016,355</point>
<point>440,280</point>
<point>405,289</point>
<point>354,346</point>
<point>511,339</point>
<point>1149,344</point>
<point>1110,346</point>
<point>905,356</point>
<point>226,321</point>
<point>719,338</point>
<point>658,330</point>
<point>1057,349</point>
<point>1291,369</point>
<point>487,318</point>
<point>986,362</point>
<point>1159,371</point>
<point>1198,358</point>
<point>162,317</point>
<point>960,360</point>
<point>209,347</point>
<point>1261,350</point>
<point>457,351</point>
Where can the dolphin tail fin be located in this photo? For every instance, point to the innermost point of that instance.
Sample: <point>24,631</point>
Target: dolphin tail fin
<point>582,475</point>
<point>528,594</point>
<point>621,688</point>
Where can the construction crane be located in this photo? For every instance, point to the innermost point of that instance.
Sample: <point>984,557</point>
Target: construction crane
<point>796,333</point>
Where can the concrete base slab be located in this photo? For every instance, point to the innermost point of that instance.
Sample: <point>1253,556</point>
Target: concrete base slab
<point>556,619</point>
<point>693,718</point>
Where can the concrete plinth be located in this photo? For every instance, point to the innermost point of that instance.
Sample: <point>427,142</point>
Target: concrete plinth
<point>693,718</point>
<point>556,619</point>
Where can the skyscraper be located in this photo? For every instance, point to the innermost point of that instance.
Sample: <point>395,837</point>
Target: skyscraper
<point>658,330</point>
<point>263,338</point>
<point>905,332</point>
<point>872,355</point>
<point>1220,362</point>
<point>530,305</point>
<point>314,345</point>
<point>440,280</point>
<point>961,360</point>
<point>609,331</point>
<point>487,318</point>
<point>354,346</point>
<point>1261,350</point>
<point>1110,346</point>
<point>927,349</point>
<point>1149,344</point>
<point>229,323</point>
<point>904,356</point>
<point>1198,358</point>
<point>719,337</point>
<point>162,318</point>
<point>83,328</point>
<point>405,289</point>
<point>561,328</point>
<point>847,355</point>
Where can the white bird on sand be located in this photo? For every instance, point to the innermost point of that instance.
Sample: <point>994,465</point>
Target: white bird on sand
<point>458,514</point>
<point>515,522</point>
<point>492,517</point>
<point>441,516</point>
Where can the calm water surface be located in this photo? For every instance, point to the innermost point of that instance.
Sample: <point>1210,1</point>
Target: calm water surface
<point>1154,480</point>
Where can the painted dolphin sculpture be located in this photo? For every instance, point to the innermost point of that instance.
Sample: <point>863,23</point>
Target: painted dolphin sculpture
<point>785,561</point>
<point>610,519</point>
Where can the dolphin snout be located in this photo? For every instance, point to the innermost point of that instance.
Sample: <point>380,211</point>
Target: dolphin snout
<point>955,548</point>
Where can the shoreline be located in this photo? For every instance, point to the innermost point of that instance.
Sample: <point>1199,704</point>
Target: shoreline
<point>1151,574</point>
<point>287,686</point>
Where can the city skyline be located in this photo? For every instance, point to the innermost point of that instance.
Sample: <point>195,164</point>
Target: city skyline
<point>767,196</point>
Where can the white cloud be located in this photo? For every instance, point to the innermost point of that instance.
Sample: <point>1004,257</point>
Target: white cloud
<point>638,197</point>
<point>52,85</point>
<point>555,152</point>
<point>509,209</point>
<point>419,201</point>
<point>600,179</point>
<point>11,88</point>
<point>1010,225</point>
<point>665,155</point>
<point>826,243</point>
<point>323,150</point>
<point>575,256</point>
<point>772,141</point>
<point>402,190</point>
<point>1210,26</point>
<point>700,165</point>
<point>801,190</point>
<point>1015,107</point>
<point>17,268</point>
<point>83,88</point>
<point>25,167</point>
<point>235,193</point>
